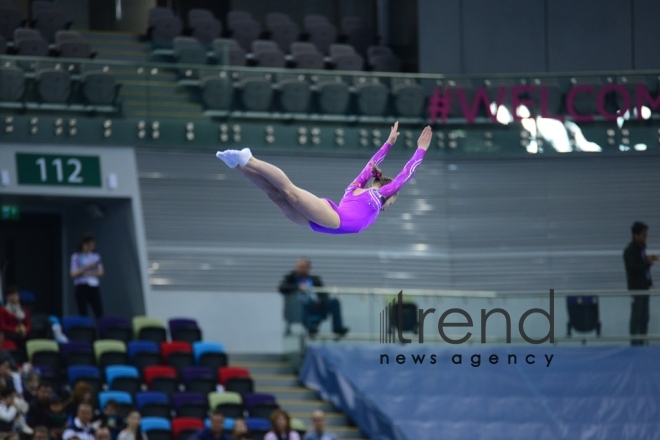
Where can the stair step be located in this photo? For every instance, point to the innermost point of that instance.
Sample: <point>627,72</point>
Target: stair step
<point>288,393</point>
<point>275,380</point>
<point>268,367</point>
<point>331,418</point>
<point>305,406</point>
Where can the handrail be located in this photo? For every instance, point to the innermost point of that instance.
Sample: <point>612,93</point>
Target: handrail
<point>452,293</point>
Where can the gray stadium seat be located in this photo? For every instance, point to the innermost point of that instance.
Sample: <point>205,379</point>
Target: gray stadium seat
<point>348,61</point>
<point>294,95</point>
<point>26,34</point>
<point>48,22</point>
<point>257,94</point>
<point>245,31</point>
<point>340,49</point>
<point>206,29</point>
<point>61,36</point>
<point>323,35</point>
<point>74,49</point>
<point>334,97</point>
<point>99,88</point>
<point>302,47</point>
<point>165,29</point>
<point>31,47</point>
<point>159,12</point>
<point>385,63</point>
<point>188,50</point>
<point>409,99</point>
<point>12,84</point>
<point>378,50</point>
<point>372,98</point>
<point>227,51</point>
<point>273,18</point>
<point>309,60</point>
<point>268,54</point>
<point>312,20</point>
<point>360,37</point>
<point>233,16</point>
<point>10,19</point>
<point>53,86</point>
<point>217,92</point>
<point>284,34</point>
<point>198,14</point>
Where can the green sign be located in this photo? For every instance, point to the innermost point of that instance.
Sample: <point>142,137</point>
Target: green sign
<point>10,212</point>
<point>52,169</point>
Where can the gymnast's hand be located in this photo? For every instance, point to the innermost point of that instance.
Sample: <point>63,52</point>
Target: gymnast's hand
<point>394,133</point>
<point>425,138</point>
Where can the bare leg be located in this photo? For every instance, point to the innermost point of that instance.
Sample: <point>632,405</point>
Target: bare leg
<point>274,194</point>
<point>312,207</point>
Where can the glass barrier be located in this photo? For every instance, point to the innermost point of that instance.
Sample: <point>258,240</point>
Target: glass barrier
<point>175,104</point>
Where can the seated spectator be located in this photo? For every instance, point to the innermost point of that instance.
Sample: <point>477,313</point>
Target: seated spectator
<point>111,419</point>
<point>13,436</point>
<point>39,412</point>
<point>82,393</point>
<point>280,423</point>
<point>240,431</point>
<point>82,424</point>
<point>132,431</point>
<point>216,431</point>
<point>8,411</point>
<point>15,320</point>
<point>31,387</point>
<point>102,433</point>
<point>318,432</point>
<point>316,305</point>
<point>40,433</point>
<point>57,418</point>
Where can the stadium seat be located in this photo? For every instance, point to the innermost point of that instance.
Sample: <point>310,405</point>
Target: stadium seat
<point>307,56</point>
<point>188,50</point>
<point>229,423</point>
<point>113,327</point>
<point>284,33</point>
<point>31,47</point>
<point>123,378</point>
<point>86,373</point>
<point>184,427</point>
<point>161,378</point>
<point>190,404</point>
<point>143,354</point>
<point>217,92</point>
<point>229,403</point>
<point>236,379</point>
<point>385,63</point>
<point>409,99</point>
<point>165,28</point>
<point>205,30</point>
<point>334,96</point>
<point>28,299</point>
<point>61,36</point>
<point>229,52</point>
<point>199,379</point>
<point>79,328</point>
<point>184,329</point>
<point>372,97</point>
<point>348,61</point>
<point>12,84</point>
<point>260,405</point>
<point>267,54</point>
<point>245,31</point>
<point>237,15</point>
<point>156,428</point>
<point>149,329</point>
<point>294,95</point>
<point>101,88</point>
<point>47,375</point>
<point>44,352</point>
<point>124,400</point>
<point>258,426</point>
<point>198,14</point>
<point>77,353</point>
<point>53,86</point>
<point>10,20</point>
<point>158,12</point>
<point>177,354</point>
<point>298,426</point>
<point>153,404</point>
<point>74,49</point>
<point>109,352</point>
<point>321,32</point>
<point>275,18</point>
<point>48,22</point>
<point>210,354</point>
<point>256,94</point>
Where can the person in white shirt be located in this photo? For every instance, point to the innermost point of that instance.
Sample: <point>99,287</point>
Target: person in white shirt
<point>319,432</point>
<point>82,426</point>
<point>86,269</point>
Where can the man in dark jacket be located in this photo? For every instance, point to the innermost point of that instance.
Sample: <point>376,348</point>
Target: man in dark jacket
<point>317,305</point>
<point>638,275</point>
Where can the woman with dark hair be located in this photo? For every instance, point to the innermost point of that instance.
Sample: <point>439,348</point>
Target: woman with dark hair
<point>280,423</point>
<point>240,430</point>
<point>82,393</point>
<point>132,431</point>
<point>15,320</point>
<point>86,269</point>
<point>358,208</point>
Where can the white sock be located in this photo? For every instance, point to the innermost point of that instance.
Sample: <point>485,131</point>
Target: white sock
<point>241,157</point>
<point>229,161</point>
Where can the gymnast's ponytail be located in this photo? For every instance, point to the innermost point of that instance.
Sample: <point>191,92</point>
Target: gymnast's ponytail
<point>379,179</point>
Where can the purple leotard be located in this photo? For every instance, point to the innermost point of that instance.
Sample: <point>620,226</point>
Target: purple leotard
<point>358,212</point>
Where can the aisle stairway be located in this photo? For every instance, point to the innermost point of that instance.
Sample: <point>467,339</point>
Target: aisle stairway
<point>274,374</point>
<point>145,92</point>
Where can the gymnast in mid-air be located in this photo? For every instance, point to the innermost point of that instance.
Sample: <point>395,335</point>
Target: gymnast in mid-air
<point>358,208</point>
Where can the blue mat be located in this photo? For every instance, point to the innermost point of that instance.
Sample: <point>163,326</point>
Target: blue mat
<point>581,393</point>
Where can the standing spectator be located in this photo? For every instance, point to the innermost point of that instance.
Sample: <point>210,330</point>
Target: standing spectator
<point>638,276</point>
<point>241,430</point>
<point>216,431</point>
<point>86,269</point>
<point>319,432</point>
<point>82,424</point>
<point>132,431</point>
<point>15,320</point>
<point>316,305</point>
<point>280,423</point>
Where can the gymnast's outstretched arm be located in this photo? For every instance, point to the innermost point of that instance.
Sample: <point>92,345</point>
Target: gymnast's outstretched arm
<point>366,174</point>
<point>411,166</point>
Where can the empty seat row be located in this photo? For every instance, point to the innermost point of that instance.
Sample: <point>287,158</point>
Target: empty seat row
<point>183,428</point>
<point>47,18</point>
<point>29,42</point>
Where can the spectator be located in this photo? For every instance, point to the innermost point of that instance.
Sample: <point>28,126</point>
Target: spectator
<point>638,276</point>
<point>15,320</point>
<point>40,433</point>
<point>316,305</point>
<point>86,269</point>
<point>31,387</point>
<point>57,418</point>
<point>8,411</point>
<point>82,393</point>
<point>280,423</point>
<point>132,431</point>
<point>7,379</point>
<point>6,344</point>
<point>13,436</point>
<point>216,431</point>
<point>39,412</point>
<point>82,424</point>
<point>319,432</point>
<point>102,433</point>
<point>240,431</point>
<point>111,419</point>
